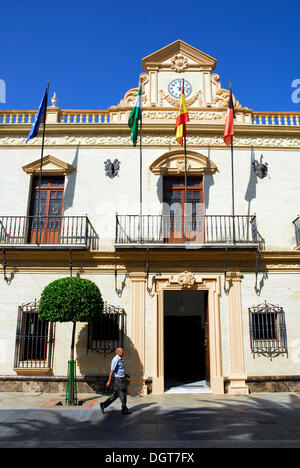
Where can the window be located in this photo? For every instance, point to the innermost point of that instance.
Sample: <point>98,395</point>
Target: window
<point>183,225</point>
<point>46,229</point>
<point>34,339</point>
<point>267,330</point>
<point>107,333</point>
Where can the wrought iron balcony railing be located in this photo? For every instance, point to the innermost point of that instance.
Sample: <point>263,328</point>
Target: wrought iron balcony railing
<point>58,231</point>
<point>168,230</point>
<point>297,230</point>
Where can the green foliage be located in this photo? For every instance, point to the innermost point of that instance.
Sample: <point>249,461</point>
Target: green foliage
<point>70,299</point>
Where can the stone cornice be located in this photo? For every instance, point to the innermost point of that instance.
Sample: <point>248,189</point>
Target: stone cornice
<point>160,260</point>
<point>117,135</point>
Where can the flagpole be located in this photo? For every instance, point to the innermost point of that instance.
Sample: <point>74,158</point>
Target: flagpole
<point>185,170</point>
<point>185,160</point>
<point>141,162</point>
<point>38,238</point>
<point>232,193</point>
<point>141,171</point>
<point>232,183</point>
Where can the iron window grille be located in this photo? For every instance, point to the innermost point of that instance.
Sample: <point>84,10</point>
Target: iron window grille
<point>34,339</point>
<point>267,330</point>
<point>107,333</point>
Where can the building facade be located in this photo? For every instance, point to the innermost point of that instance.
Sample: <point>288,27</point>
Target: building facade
<point>193,291</point>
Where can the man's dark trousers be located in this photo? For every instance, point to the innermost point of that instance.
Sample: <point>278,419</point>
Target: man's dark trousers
<point>120,390</point>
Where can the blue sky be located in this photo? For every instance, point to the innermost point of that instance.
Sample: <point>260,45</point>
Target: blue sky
<point>91,51</point>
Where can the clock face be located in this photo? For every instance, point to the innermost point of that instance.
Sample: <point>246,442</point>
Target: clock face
<point>175,87</point>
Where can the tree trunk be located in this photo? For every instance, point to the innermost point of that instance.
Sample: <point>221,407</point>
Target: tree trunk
<point>73,342</point>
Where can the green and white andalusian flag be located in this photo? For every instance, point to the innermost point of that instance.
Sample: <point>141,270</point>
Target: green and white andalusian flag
<point>135,116</point>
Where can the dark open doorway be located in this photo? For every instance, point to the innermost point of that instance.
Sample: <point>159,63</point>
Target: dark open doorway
<point>186,352</point>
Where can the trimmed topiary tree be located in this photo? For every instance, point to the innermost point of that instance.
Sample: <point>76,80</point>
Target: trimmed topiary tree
<point>71,299</point>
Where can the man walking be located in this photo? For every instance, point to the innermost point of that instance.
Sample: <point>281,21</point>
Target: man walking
<point>117,372</point>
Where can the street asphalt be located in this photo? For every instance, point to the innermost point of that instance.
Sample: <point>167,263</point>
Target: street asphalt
<point>167,421</point>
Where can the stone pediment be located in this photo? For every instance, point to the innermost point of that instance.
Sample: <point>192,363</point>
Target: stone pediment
<point>50,166</point>
<point>172,163</point>
<point>179,57</point>
<point>165,69</point>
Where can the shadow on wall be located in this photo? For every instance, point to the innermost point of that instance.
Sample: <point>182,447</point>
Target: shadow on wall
<point>160,189</point>
<point>207,183</point>
<point>251,195</point>
<point>95,366</point>
<point>71,183</point>
<point>251,188</point>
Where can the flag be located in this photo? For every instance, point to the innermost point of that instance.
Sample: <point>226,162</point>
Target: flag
<point>40,116</point>
<point>182,119</point>
<point>229,122</point>
<point>135,116</point>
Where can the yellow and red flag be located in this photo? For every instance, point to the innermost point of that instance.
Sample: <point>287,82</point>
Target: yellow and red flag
<point>182,118</point>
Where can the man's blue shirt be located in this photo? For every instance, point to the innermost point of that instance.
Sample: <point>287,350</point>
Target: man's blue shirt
<point>117,365</point>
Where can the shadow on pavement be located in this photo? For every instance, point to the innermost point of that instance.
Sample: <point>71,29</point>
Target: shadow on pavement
<point>221,422</point>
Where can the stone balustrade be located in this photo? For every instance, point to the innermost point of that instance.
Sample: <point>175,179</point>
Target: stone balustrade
<point>17,117</point>
<point>276,118</point>
<point>56,115</point>
<point>82,117</point>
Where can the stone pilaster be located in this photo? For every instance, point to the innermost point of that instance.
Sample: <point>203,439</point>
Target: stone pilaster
<point>137,335</point>
<point>237,374</point>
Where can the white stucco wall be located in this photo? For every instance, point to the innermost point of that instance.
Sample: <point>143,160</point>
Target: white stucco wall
<point>25,288</point>
<point>278,289</point>
<point>274,200</point>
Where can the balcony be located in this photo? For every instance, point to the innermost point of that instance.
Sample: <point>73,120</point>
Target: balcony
<point>62,232</point>
<point>208,231</point>
<point>297,231</point>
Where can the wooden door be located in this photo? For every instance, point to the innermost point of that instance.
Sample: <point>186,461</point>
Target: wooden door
<point>183,222</point>
<point>46,228</point>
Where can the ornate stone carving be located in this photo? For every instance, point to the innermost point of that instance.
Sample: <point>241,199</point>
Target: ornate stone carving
<point>215,79</point>
<point>221,99</point>
<point>175,102</point>
<point>186,279</point>
<point>131,94</point>
<point>155,140</point>
<point>171,115</point>
<point>180,164</point>
<point>179,63</point>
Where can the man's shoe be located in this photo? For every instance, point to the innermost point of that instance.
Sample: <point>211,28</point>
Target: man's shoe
<point>102,407</point>
<point>126,411</point>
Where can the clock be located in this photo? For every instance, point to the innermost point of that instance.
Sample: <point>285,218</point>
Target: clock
<point>175,87</point>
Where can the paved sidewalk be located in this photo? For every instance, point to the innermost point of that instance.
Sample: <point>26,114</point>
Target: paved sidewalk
<point>168,421</point>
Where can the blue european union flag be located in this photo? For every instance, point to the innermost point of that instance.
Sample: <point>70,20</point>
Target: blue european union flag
<point>40,117</point>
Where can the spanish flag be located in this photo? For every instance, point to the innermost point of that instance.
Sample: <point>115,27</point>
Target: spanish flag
<point>182,118</point>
